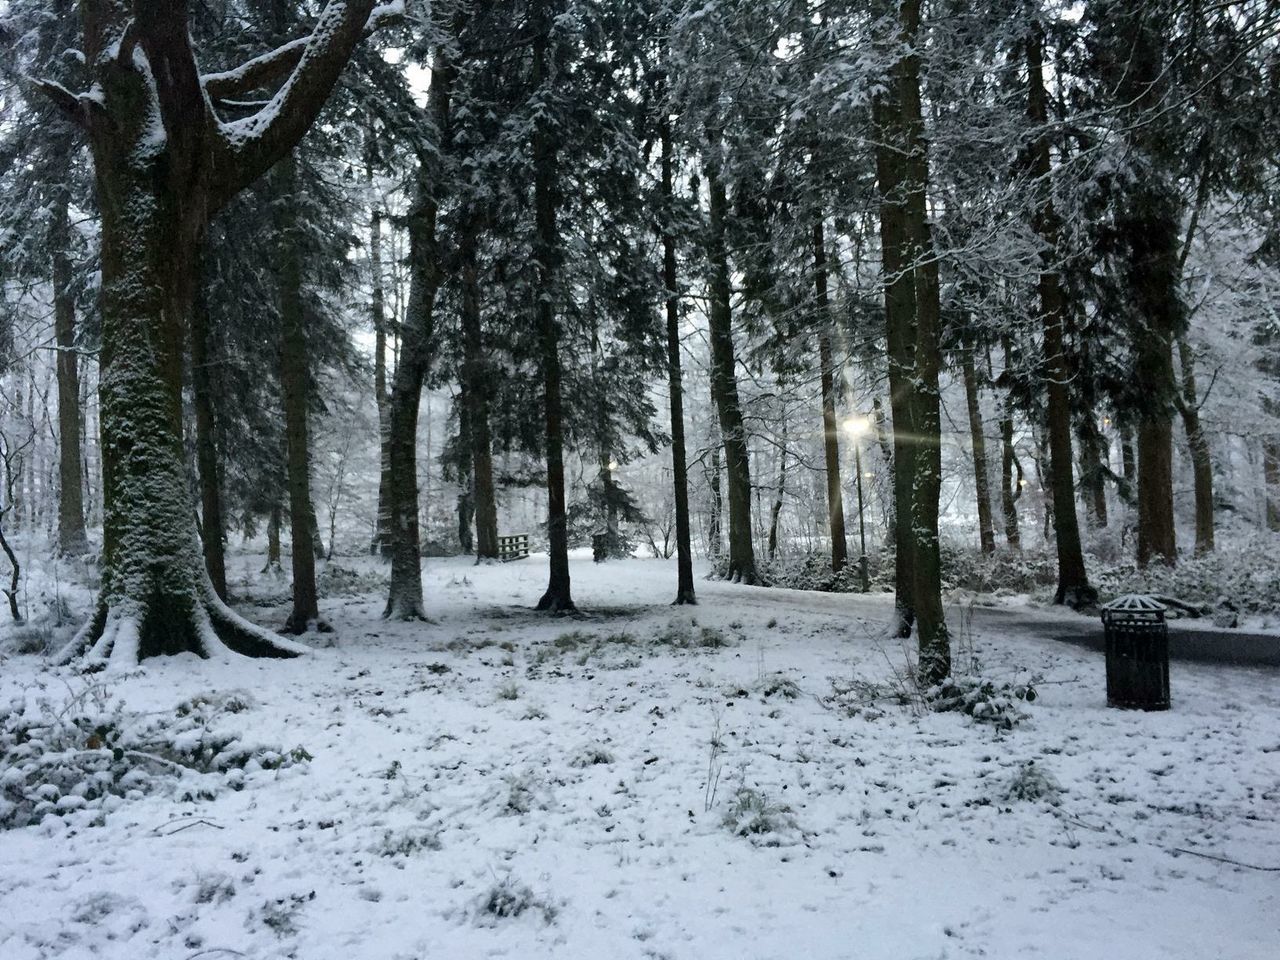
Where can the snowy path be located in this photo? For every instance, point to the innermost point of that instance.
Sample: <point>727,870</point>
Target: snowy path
<point>496,759</point>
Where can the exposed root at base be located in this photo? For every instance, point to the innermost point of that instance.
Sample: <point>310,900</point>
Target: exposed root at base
<point>209,630</point>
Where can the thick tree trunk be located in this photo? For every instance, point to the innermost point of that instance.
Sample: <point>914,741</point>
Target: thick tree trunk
<point>1198,441</point>
<point>679,464</point>
<point>724,383</point>
<point>479,438</point>
<point>913,327</point>
<point>1073,580</point>
<point>978,444</point>
<point>71,537</point>
<point>294,374</point>
<point>212,525</point>
<point>830,427</point>
<point>404,599</point>
<point>558,597</point>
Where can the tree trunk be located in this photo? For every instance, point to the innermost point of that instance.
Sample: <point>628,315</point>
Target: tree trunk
<point>71,537</point>
<point>465,503</point>
<point>162,164</point>
<point>558,597</point>
<point>913,327</point>
<point>275,520</point>
<point>715,527</point>
<point>475,373</point>
<point>978,442</point>
<point>724,383</point>
<point>294,374</point>
<point>1271,480</point>
<point>679,464</point>
<point>776,511</point>
<point>381,542</point>
<point>404,599</point>
<point>1073,580</point>
<point>212,525</point>
<point>830,427</point>
<point>1201,463</point>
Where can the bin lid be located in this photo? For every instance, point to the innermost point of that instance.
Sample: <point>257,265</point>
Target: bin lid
<point>1134,603</point>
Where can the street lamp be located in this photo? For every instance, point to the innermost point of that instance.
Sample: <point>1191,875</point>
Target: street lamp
<point>856,428</point>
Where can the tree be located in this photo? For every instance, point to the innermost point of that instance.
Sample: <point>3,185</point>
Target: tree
<point>1073,580</point>
<point>164,163</point>
<point>913,332</point>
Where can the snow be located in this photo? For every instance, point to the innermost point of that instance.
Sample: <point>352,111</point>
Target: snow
<point>500,783</point>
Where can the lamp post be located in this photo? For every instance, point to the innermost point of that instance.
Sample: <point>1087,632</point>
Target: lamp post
<point>856,427</point>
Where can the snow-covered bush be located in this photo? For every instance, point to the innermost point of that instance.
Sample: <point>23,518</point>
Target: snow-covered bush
<point>85,752</point>
<point>987,701</point>
<point>1239,577</point>
<point>1032,782</point>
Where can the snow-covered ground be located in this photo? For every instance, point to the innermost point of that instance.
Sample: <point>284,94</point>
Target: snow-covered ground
<point>499,783</point>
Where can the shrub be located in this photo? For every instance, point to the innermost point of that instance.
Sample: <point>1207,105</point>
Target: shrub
<point>987,701</point>
<point>1032,782</point>
<point>508,898</point>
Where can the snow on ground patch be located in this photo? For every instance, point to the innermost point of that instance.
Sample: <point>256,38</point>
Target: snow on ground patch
<point>648,781</point>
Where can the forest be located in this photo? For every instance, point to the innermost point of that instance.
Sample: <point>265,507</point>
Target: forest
<point>460,463</point>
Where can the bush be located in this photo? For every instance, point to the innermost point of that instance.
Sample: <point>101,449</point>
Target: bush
<point>85,753</point>
<point>987,701</point>
<point>508,899</point>
<point>1031,782</point>
<point>751,814</point>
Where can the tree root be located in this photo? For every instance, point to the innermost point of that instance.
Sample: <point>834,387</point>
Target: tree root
<point>210,629</point>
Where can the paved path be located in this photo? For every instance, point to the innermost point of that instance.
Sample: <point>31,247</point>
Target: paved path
<point>1189,640</point>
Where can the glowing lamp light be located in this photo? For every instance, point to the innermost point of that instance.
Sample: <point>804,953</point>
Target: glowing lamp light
<point>857,426</point>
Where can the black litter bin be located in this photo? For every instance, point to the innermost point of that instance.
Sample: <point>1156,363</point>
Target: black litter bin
<point>1137,640</point>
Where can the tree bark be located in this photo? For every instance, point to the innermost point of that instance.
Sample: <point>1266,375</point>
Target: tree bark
<point>913,327</point>
<point>558,597</point>
<point>716,527</point>
<point>381,542</point>
<point>1011,481</point>
<point>294,374</point>
<point>830,427</point>
<point>212,524</point>
<point>1073,580</point>
<point>71,536</point>
<point>679,463</point>
<point>404,599</point>
<point>476,374</point>
<point>978,443</point>
<point>724,383</point>
<point>275,520</point>
<point>1271,481</point>
<point>776,511</point>
<point>155,197</point>
<point>1198,441</point>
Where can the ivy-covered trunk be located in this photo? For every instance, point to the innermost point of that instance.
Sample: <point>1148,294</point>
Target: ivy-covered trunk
<point>163,162</point>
